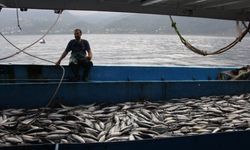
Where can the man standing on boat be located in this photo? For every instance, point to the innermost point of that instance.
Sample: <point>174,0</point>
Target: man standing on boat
<point>81,55</point>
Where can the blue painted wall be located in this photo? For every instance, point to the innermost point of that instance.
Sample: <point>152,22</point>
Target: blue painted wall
<point>111,73</point>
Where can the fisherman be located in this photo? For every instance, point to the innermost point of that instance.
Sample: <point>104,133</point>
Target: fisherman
<point>81,55</point>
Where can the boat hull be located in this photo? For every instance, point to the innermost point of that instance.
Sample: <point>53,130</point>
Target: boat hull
<point>30,86</point>
<point>32,95</point>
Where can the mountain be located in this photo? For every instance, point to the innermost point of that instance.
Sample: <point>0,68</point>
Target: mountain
<point>38,21</point>
<point>155,24</point>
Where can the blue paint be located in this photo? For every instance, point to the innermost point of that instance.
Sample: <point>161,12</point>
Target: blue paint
<point>113,84</point>
<point>29,95</point>
<point>121,73</point>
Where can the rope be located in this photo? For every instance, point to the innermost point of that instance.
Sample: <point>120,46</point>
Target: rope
<point>17,17</point>
<point>23,51</point>
<point>57,89</point>
<point>203,52</point>
<point>244,24</point>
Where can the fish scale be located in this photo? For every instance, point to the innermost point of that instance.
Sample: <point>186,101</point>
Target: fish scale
<point>125,121</point>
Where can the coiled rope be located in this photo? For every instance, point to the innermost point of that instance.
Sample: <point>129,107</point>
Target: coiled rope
<point>46,60</point>
<point>203,52</point>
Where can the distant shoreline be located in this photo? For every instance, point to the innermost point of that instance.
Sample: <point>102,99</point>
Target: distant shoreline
<point>213,35</point>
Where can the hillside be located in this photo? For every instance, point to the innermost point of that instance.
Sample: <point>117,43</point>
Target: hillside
<point>38,21</point>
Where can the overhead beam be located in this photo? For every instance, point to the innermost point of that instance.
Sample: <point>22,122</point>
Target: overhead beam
<point>224,4</point>
<point>195,2</point>
<point>2,5</point>
<point>201,4</point>
<point>151,2</point>
<point>136,7</point>
<point>242,5</point>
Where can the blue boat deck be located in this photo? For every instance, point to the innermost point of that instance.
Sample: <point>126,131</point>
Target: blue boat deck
<point>31,73</point>
<point>32,86</point>
<point>22,85</point>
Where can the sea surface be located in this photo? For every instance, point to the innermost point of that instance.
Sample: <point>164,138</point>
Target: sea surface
<point>131,49</point>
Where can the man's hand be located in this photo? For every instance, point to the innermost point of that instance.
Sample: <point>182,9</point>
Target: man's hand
<point>88,57</point>
<point>61,58</point>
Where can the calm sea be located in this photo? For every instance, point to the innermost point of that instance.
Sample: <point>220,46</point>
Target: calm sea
<point>132,49</point>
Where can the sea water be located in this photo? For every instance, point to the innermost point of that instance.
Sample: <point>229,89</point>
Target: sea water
<point>131,49</point>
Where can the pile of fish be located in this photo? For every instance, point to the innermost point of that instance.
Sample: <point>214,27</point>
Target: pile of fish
<point>125,121</point>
